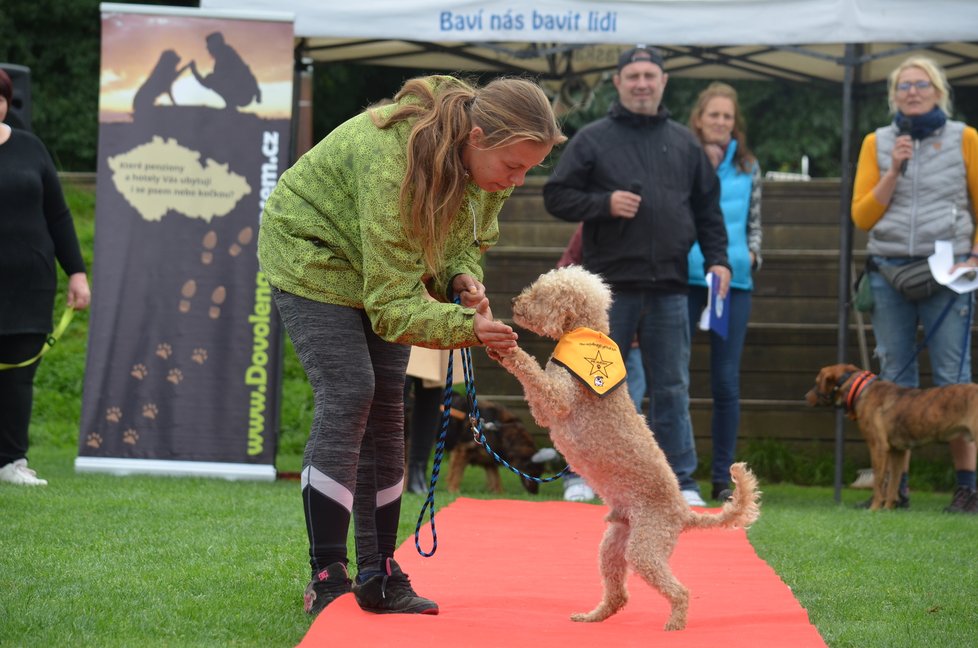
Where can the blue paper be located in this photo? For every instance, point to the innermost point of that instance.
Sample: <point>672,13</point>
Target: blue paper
<point>718,309</point>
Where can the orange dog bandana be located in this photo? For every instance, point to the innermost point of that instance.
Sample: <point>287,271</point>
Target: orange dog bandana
<point>591,357</point>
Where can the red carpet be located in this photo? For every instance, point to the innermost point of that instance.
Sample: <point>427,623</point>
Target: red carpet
<point>511,572</point>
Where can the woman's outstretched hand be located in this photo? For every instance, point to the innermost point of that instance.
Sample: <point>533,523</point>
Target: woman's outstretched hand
<point>494,335</point>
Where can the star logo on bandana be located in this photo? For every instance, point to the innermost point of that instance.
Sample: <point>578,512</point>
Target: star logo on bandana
<point>599,366</point>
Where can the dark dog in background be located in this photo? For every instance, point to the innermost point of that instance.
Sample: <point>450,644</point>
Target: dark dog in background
<point>894,419</point>
<point>505,434</point>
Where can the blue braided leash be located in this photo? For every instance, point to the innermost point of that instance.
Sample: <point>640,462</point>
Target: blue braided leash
<point>477,424</point>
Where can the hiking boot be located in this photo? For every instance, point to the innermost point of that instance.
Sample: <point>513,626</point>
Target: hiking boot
<point>327,585</point>
<point>17,472</point>
<point>391,593</point>
<point>965,500</point>
<point>903,502</point>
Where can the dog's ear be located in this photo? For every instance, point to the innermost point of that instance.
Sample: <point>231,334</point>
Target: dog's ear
<point>827,377</point>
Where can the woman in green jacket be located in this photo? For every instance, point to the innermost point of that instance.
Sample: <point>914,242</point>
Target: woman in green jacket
<point>367,240</point>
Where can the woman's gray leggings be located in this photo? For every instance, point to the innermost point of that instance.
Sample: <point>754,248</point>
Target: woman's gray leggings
<point>354,458</point>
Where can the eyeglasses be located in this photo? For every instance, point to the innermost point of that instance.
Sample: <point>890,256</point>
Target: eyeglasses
<point>905,86</point>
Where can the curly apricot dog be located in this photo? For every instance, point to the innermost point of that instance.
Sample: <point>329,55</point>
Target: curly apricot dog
<point>611,445</point>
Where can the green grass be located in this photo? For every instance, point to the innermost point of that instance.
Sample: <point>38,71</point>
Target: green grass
<point>98,560</point>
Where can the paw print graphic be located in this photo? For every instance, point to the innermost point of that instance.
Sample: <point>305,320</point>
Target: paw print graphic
<point>130,436</point>
<point>217,297</point>
<point>199,355</point>
<point>175,376</point>
<point>139,371</point>
<point>113,414</point>
<point>188,290</point>
<point>94,440</point>
<point>244,238</point>
<point>209,243</point>
<point>164,350</point>
<point>150,410</point>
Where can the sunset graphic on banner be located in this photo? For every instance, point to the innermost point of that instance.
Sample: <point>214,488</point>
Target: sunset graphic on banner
<point>128,62</point>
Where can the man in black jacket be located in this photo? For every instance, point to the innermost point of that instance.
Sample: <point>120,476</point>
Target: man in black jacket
<point>646,192</point>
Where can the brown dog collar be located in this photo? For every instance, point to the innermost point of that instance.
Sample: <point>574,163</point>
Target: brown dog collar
<point>859,384</point>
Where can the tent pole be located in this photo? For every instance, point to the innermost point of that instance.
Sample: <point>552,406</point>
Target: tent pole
<point>845,248</point>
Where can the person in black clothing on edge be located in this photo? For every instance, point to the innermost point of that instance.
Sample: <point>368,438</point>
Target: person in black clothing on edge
<point>646,191</point>
<point>35,229</point>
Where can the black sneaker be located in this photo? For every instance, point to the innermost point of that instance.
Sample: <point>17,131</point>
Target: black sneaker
<point>327,585</point>
<point>965,500</point>
<point>391,593</point>
<point>721,492</point>
<point>903,502</point>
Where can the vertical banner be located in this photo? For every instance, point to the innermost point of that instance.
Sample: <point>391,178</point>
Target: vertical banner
<point>183,370</point>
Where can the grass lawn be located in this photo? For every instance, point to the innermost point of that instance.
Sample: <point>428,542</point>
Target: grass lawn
<point>98,560</point>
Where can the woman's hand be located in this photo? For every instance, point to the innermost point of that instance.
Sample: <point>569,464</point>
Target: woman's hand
<point>971,263</point>
<point>724,275</point>
<point>902,151</point>
<point>470,290</point>
<point>79,294</point>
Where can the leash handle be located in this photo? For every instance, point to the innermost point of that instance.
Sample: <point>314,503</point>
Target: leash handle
<point>51,340</point>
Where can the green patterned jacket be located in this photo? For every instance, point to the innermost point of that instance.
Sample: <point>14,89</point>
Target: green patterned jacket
<point>331,232</point>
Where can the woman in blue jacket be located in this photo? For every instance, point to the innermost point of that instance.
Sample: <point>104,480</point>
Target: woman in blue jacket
<point>718,123</point>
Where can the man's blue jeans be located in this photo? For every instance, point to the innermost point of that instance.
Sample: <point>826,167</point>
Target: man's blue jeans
<point>662,324</point>
<point>895,323</point>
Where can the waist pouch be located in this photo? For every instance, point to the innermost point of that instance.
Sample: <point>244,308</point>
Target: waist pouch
<point>912,280</point>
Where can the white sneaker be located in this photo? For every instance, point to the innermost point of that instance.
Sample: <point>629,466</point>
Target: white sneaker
<point>577,490</point>
<point>693,498</point>
<point>18,473</point>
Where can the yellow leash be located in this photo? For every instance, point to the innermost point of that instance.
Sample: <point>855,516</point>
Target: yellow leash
<point>50,342</point>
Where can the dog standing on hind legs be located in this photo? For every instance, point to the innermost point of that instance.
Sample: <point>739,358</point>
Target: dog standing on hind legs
<point>610,444</point>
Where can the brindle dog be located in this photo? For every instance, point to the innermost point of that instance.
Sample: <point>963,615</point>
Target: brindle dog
<point>506,435</point>
<point>894,419</point>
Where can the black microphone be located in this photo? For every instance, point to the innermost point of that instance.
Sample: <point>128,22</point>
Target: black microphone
<point>904,125</point>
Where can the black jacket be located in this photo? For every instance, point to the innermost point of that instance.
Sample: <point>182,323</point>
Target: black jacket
<point>35,229</point>
<point>680,199</point>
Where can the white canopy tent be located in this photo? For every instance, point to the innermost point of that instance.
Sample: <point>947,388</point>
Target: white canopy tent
<point>573,42</point>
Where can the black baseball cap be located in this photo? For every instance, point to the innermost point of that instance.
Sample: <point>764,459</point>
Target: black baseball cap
<point>640,53</point>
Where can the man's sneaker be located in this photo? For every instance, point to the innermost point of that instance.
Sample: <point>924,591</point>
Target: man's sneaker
<point>577,490</point>
<point>391,593</point>
<point>693,497</point>
<point>903,502</point>
<point>18,473</point>
<point>965,500</point>
<point>325,587</point>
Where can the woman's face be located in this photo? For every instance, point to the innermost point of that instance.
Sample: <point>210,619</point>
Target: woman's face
<point>716,122</point>
<point>915,93</point>
<point>3,108</point>
<point>500,168</point>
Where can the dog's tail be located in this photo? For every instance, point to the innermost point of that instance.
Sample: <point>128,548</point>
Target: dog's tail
<point>741,510</point>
